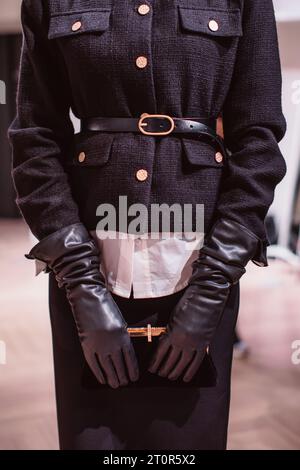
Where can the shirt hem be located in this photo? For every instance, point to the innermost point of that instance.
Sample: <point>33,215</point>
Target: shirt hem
<point>146,294</point>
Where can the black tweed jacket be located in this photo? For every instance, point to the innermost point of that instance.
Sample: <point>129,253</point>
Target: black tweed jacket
<point>204,58</point>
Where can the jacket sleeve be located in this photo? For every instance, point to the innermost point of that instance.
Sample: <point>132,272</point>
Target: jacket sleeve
<point>42,131</point>
<point>253,125</point>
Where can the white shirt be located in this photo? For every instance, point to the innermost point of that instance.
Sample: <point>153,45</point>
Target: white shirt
<point>150,267</point>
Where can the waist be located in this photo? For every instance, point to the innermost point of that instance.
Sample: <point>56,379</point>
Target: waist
<point>149,124</point>
<point>157,125</point>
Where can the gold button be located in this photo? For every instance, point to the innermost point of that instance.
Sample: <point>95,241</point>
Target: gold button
<point>142,174</point>
<point>143,9</point>
<point>219,157</point>
<point>141,61</point>
<point>76,26</point>
<point>213,25</point>
<point>81,157</point>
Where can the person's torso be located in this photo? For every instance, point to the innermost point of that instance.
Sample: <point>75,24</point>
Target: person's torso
<point>124,58</point>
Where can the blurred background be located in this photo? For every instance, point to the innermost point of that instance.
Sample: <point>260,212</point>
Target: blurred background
<point>265,412</point>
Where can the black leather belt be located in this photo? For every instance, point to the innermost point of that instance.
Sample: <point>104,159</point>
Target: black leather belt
<point>155,124</point>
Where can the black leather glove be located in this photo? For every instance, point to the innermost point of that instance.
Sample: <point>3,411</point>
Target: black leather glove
<point>73,257</point>
<point>221,263</point>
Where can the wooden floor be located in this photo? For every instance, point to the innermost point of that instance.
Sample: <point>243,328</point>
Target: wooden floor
<point>265,408</point>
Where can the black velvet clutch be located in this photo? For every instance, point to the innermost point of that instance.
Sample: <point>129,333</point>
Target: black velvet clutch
<point>144,341</point>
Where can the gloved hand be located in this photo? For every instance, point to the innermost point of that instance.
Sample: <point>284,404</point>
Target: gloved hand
<point>73,257</point>
<point>192,324</point>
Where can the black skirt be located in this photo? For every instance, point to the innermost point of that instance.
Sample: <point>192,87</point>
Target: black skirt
<point>154,413</point>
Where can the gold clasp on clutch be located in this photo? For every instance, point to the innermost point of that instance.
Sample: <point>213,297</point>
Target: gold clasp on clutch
<point>148,331</point>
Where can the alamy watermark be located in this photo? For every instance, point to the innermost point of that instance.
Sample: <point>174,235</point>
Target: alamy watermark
<point>296,92</point>
<point>159,220</point>
<point>295,357</point>
<point>2,92</point>
<point>2,353</point>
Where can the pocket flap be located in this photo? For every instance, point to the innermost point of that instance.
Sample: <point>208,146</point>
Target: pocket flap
<point>91,149</point>
<point>212,21</point>
<point>73,23</point>
<point>202,153</point>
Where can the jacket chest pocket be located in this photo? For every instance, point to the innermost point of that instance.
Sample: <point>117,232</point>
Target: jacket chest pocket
<point>82,35</point>
<point>214,30</point>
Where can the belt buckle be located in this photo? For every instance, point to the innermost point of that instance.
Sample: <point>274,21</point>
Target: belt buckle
<point>146,115</point>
